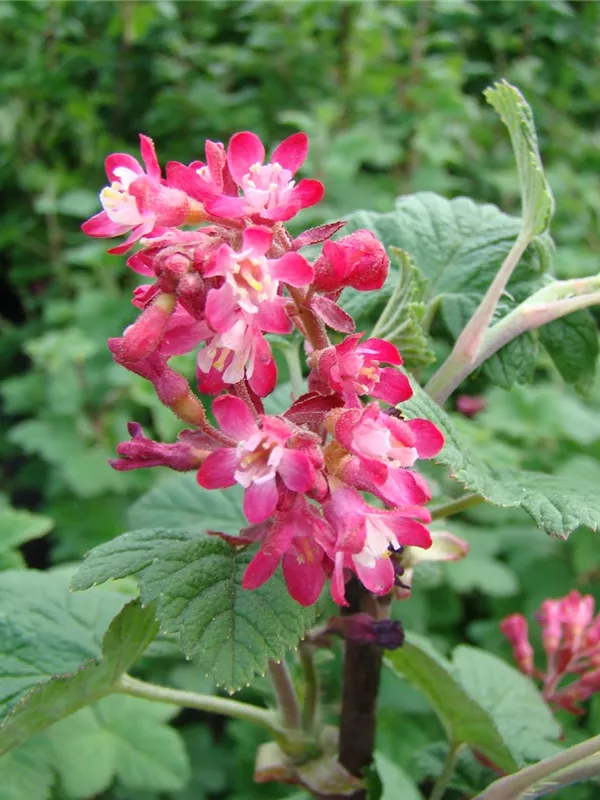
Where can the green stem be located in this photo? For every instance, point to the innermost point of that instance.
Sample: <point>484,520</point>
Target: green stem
<point>202,702</point>
<point>311,697</point>
<point>444,779</point>
<point>461,361</point>
<point>285,692</point>
<point>456,506</point>
<point>513,786</point>
<point>292,359</point>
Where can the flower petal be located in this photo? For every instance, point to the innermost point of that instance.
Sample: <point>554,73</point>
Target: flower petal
<point>271,317</point>
<point>292,152</point>
<point>217,470</point>
<point>308,193</point>
<point>378,579</point>
<point>102,226</point>
<point>381,350</point>
<point>393,386</point>
<point>304,578</point>
<point>225,206</point>
<point>292,268</point>
<point>234,417</point>
<point>116,160</point>
<point>149,157</point>
<point>260,569</point>
<point>244,149</point>
<point>430,439</point>
<point>338,581</point>
<point>260,501</point>
<point>296,471</point>
<point>264,371</point>
<point>221,305</point>
<point>402,489</point>
<point>408,531</point>
<point>257,239</point>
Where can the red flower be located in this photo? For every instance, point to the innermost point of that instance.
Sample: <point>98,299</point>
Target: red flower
<point>363,536</point>
<point>138,200</point>
<point>291,537</point>
<point>264,452</point>
<point>358,260</point>
<point>269,192</point>
<point>352,369</point>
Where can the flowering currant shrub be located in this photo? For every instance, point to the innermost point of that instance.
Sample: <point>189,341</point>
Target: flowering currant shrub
<point>305,516</point>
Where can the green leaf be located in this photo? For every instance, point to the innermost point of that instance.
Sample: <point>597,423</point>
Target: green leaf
<point>17,526</point>
<point>119,737</point>
<point>489,576</point>
<point>51,661</point>
<point>178,502</point>
<point>401,321</point>
<point>195,581</point>
<point>572,343</point>
<point>555,504</point>
<point>464,719</point>
<point>536,196</point>
<point>511,699</point>
<point>25,773</point>
<point>514,363</point>
<point>395,783</point>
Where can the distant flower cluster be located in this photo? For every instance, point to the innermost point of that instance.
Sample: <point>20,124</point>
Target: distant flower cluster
<point>571,640</point>
<point>225,280</point>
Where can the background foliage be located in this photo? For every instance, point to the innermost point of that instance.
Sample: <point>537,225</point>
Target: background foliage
<point>390,94</point>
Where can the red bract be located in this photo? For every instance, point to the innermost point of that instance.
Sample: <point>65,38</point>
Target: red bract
<point>265,450</point>
<point>363,537</point>
<point>571,638</point>
<point>138,200</point>
<point>269,192</point>
<point>292,537</point>
<point>352,369</point>
<point>358,260</point>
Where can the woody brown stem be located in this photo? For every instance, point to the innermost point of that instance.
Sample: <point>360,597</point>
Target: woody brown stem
<point>362,669</point>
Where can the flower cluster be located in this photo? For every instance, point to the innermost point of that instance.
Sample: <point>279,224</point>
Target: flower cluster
<point>571,641</point>
<point>224,272</point>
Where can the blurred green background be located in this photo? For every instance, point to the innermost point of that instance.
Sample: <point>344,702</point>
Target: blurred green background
<point>390,94</point>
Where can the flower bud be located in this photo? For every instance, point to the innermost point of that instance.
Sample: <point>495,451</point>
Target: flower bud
<point>516,630</point>
<point>364,629</point>
<point>358,260</point>
<point>140,452</point>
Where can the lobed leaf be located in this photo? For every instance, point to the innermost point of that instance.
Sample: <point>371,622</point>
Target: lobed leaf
<point>555,504</point>
<point>52,658</point>
<point>195,581</point>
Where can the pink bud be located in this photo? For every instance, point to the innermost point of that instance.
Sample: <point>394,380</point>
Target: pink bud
<point>516,630</point>
<point>364,629</point>
<point>144,336</point>
<point>470,405</point>
<point>140,452</point>
<point>358,260</point>
<point>550,618</point>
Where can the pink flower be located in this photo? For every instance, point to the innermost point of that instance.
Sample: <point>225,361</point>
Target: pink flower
<point>138,201</point>
<point>353,369</point>
<point>269,192</point>
<point>251,285</point>
<point>363,538</point>
<point>516,630</point>
<point>266,451</point>
<point>291,537</point>
<point>203,180</point>
<point>571,638</point>
<point>384,447</point>
<point>228,357</point>
<point>186,454</point>
<point>358,260</point>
